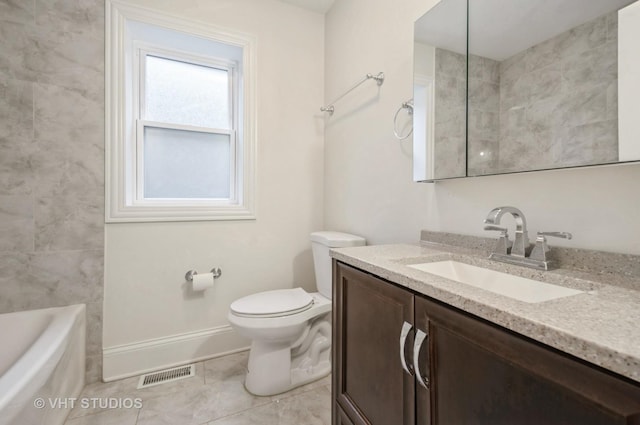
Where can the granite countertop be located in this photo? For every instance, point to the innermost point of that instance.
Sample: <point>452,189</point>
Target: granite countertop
<point>600,325</point>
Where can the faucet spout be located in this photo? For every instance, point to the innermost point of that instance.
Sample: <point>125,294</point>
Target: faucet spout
<point>496,214</point>
<point>521,242</point>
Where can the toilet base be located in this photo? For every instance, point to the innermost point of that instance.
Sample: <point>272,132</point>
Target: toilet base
<point>260,385</point>
<point>301,377</point>
<point>276,368</point>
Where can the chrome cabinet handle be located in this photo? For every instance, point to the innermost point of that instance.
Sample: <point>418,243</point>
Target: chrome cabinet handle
<point>417,345</point>
<point>404,333</point>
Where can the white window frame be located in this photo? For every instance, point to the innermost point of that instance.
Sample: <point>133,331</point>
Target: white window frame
<point>124,200</point>
<point>142,50</point>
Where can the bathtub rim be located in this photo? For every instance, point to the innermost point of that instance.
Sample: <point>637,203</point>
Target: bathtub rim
<point>25,370</point>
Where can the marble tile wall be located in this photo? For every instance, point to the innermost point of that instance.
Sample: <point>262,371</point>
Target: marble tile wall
<point>450,114</point>
<point>553,103</point>
<point>450,132</point>
<point>52,159</point>
<point>559,98</point>
<point>450,105</point>
<point>484,115</point>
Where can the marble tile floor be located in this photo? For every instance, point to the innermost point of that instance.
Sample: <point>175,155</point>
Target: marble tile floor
<point>215,396</point>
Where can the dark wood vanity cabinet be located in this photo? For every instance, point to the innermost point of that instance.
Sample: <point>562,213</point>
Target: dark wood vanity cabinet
<point>369,384</point>
<point>471,372</point>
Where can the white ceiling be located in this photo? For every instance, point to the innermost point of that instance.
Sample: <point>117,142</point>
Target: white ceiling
<point>498,29</point>
<point>317,5</point>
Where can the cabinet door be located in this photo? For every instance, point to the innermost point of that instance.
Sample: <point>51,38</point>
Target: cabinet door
<point>369,383</point>
<point>486,375</point>
<point>341,418</point>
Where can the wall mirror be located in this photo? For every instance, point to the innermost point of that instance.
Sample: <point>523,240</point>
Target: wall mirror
<point>540,84</point>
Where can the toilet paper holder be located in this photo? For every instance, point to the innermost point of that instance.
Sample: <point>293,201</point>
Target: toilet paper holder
<point>216,271</point>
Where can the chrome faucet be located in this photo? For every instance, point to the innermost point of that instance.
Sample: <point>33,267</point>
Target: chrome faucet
<point>539,252</point>
<point>517,253</point>
<point>520,245</point>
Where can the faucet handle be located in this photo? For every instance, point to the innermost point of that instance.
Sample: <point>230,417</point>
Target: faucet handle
<point>494,227</point>
<point>540,250</point>
<point>563,235</point>
<point>504,244</point>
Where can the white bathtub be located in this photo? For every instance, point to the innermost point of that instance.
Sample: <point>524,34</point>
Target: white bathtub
<point>42,363</point>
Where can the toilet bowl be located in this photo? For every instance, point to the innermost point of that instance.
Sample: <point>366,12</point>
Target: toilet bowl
<point>281,357</point>
<point>290,329</point>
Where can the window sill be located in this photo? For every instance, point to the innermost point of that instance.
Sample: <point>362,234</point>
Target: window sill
<point>134,214</point>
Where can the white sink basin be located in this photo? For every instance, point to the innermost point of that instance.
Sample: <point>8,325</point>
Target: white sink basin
<point>519,288</point>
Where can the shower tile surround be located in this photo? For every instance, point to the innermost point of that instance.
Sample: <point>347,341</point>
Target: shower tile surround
<point>449,114</point>
<point>52,159</point>
<point>214,396</point>
<point>555,102</point>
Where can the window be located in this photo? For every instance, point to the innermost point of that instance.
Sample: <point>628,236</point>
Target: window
<point>180,144</point>
<point>186,122</point>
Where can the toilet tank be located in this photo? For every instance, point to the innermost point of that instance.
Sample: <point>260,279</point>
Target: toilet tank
<point>321,242</point>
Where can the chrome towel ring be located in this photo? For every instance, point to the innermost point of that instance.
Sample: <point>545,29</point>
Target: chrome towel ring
<point>405,105</point>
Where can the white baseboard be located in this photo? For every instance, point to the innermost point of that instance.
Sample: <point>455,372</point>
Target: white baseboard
<point>127,360</point>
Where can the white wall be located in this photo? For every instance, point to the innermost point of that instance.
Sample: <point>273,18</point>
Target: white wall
<point>368,188</point>
<point>368,173</point>
<point>147,303</point>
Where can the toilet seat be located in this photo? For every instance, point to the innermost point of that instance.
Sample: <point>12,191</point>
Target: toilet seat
<point>276,303</point>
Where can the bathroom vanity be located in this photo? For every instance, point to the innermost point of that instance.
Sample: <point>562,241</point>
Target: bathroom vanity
<point>411,347</point>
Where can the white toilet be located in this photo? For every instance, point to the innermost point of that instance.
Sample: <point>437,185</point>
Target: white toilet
<point>290,329</point>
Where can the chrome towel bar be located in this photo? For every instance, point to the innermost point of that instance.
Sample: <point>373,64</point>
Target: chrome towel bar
<point>379,79</point>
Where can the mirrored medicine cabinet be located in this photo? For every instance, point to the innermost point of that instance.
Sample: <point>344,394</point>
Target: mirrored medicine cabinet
<point>503,86</point>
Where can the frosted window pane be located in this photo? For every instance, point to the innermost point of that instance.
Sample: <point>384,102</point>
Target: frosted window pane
<point>184,93</point>
<point>185,164</point>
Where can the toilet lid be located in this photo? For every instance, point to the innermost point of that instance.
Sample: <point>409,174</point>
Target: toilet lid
<point>280,302</point>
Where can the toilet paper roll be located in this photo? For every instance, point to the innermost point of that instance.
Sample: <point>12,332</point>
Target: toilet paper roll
<point>202,281</point>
